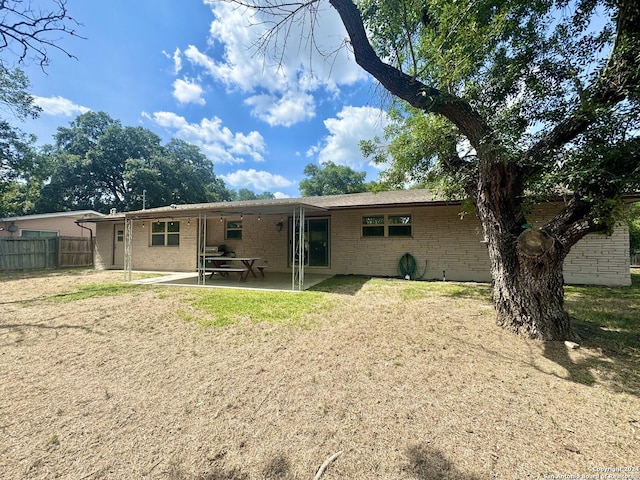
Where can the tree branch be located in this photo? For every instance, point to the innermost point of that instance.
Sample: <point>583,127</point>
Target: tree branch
<point>30,30</point>
<point>572,223</point>
<point>417,94</point>
<point>618,79</point>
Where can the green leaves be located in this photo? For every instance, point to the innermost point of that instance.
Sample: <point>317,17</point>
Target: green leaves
<point>99,164</point>
<point>332,179</point>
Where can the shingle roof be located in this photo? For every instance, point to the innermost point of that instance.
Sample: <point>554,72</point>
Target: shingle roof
<point>375,199</point>
<point>328,202</point>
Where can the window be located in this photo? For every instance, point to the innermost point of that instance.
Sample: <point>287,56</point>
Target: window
<point>38,234</point>
<point>373,226</point>
<point>386,225</point>
<point>399,225</point>
<point>165,234</point>
<point>233,229</point>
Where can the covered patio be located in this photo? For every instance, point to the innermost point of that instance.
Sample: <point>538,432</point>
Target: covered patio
<point>210,270</point>
<point>272,281</point>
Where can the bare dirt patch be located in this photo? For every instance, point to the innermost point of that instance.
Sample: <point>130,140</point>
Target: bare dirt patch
<point>407,383</point>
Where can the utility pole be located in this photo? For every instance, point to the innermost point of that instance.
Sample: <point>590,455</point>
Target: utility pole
<point>144,198</point>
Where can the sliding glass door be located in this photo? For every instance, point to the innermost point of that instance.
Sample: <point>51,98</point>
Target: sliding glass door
<point>316,241</point>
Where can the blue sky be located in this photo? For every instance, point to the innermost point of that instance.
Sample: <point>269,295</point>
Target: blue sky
<point>188,70</point>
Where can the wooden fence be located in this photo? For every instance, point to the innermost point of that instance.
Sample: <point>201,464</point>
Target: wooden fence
<point>41,253</point>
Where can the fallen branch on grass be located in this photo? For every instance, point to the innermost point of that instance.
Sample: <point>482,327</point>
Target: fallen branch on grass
<point>326,463</point>
<point>269,392</point>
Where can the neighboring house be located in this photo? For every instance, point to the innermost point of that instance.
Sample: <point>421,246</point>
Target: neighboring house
<point>364,233</point>
<point>59,224</point>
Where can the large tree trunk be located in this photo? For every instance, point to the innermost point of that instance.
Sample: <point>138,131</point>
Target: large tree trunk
<point>528,288</point>
<point>526,263</point>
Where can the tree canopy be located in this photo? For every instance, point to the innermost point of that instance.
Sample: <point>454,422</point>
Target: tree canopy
<point>27,31</point>
<point>634,229</point>
<point>19,163</point>
<point>332,179</point>
<point>246,194</point>
<point>98,164</point>
<point>506,99</point>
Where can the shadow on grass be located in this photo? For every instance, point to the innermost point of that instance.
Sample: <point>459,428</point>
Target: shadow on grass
<point>341,284</point>
<point>607,320</point>
<point>616,360</point>
<point>278,468</point>
<point>457,290</point>
<point>427,463</point>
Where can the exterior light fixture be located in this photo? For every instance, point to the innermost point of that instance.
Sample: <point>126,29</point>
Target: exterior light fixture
<point>279,226</point>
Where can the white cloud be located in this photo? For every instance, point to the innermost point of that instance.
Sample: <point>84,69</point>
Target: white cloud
<point>352,124</point>
<point>177,59</point>
<point>279,89</point>
<point>216,141</point>
<point>281,195</point>
<point>59,106</point>
<point>291,108</point>
<point>261,180</point>
<point>187,91</point>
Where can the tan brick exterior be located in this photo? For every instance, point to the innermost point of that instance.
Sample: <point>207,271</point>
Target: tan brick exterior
<point>442,241</point>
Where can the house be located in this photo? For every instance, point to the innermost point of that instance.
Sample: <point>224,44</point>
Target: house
<point>59,224</point>
<point>365,233</point>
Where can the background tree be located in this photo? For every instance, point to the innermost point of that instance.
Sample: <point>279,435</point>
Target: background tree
<point>20,165</point>
<point>246,194</point>
<point>99,164</point>
<point>331,179</point>
<point>179,173</point>
<point>535,96</point>
<point>27,31</point>
<point>634,229</point>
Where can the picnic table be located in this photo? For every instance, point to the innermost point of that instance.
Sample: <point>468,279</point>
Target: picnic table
<point>224,265</point>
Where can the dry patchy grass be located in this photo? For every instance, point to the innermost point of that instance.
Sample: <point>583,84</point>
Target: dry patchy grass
<point>410,380</point>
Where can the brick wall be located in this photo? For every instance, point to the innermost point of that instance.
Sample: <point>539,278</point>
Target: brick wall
<point>442,242</point>
<point>596,259</point>
<point>164,258</point>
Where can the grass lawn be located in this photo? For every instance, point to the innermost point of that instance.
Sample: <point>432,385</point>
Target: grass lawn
<point>408,380</point>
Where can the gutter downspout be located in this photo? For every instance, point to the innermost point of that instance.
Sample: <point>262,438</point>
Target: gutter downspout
<point>93,262</point>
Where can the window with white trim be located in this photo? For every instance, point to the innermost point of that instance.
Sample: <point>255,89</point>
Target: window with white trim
<point>165,234</point>
<point>386,225</point>
<point>233,230</point>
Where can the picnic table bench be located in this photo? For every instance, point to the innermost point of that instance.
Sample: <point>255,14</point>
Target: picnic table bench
<point>225,270</point>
